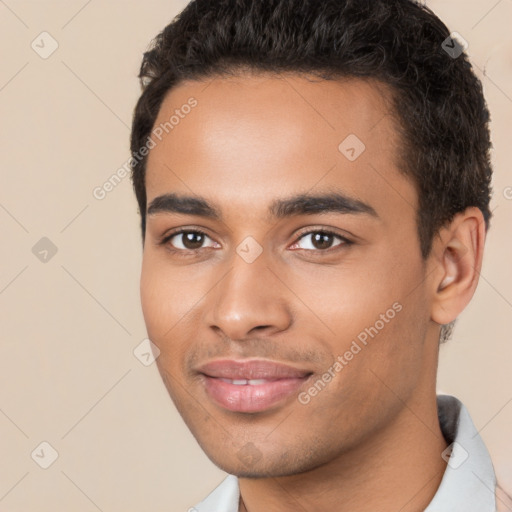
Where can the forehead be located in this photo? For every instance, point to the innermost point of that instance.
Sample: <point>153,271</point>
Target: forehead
<point>276,133</point>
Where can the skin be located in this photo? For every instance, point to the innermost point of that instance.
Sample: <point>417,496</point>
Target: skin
<point>370,439</point>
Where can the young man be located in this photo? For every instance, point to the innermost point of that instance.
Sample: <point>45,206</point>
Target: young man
<point>313,180</point>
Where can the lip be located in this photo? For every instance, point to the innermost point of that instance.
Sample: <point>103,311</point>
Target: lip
<point>267,383</point>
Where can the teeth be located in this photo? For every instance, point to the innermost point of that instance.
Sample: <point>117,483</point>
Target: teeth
<point>245,382</point>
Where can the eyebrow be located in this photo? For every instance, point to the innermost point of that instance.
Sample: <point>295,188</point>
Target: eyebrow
<point>302,204</point>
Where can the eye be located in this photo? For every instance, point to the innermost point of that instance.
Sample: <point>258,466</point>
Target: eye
<point>192,240</point>
<point>320,240</point>
<point>187,240</point>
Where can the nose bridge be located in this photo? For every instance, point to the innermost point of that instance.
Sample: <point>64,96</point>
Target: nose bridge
<point>248,296</point>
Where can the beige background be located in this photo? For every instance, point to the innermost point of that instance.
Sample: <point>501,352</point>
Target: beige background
<point>69,326</point>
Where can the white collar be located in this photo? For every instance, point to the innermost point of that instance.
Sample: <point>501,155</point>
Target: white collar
<point>468,482</point>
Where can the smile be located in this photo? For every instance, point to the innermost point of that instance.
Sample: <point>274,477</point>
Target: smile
<point>251,386</point>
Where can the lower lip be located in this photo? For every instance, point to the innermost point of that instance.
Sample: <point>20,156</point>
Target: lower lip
<point>248,398</point>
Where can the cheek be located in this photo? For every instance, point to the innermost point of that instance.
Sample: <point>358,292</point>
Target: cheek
<point>377,315</point>
<point>163,296</point>
<point>348,298</point>
<point>153,297</point>
<point>172,299</point>
<point>391,331</point>
<point>162,309</point>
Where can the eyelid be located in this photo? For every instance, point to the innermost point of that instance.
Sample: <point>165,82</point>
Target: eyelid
<point>321,229</point>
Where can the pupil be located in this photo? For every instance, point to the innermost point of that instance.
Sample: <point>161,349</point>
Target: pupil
<point>189,241</point>
<point>322,240</point>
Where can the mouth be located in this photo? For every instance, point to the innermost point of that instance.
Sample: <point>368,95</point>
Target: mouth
<point>251,386</point>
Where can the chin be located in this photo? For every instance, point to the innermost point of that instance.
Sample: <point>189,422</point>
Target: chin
<point>249,462</point>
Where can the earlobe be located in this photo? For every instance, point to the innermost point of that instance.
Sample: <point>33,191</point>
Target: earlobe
<point>460,249</point>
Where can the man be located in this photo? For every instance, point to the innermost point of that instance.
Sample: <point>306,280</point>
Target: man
<point>313,181</point>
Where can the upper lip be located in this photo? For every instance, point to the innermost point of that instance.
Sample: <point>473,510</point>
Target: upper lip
<point>251,369</point>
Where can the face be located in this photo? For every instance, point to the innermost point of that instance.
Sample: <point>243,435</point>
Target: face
<point>282,278</point>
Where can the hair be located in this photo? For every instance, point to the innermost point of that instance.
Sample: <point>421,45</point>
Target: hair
<point>443,120</point>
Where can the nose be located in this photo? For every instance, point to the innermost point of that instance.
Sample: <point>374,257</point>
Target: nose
<point>249,300</point>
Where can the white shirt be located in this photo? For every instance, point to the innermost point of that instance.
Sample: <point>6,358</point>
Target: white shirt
<point>468,484</point>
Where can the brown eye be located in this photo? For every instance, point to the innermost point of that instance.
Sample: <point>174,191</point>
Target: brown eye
<point>320,240</point>
<point>188,240</point>
<point>192,240</point>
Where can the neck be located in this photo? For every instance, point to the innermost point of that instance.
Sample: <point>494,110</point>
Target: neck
<point>400,468</point>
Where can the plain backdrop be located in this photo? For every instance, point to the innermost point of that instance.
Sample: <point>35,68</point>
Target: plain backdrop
<point>69,274</point>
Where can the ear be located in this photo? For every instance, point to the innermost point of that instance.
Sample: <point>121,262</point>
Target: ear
<point>457,252</point>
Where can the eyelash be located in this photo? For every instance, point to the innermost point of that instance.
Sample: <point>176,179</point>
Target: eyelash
<point>190,252</point>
